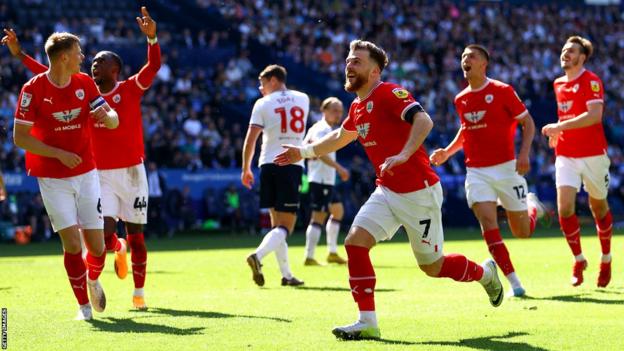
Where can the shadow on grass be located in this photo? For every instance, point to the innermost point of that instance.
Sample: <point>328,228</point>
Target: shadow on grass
<point>224,240</point>
<point>334,288</point>
<point>5,288</point>
<point>485,343</point>
<point>577,298</point>
<point>206,314</point>
<point>125,325</point>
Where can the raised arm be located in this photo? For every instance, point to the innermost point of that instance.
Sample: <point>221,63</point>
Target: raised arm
<point>11,41</point>
<point>331,142</point>
<point>147,25</point>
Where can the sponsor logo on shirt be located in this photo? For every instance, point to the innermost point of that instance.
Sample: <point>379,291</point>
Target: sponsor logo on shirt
<point>363,129</point>
<point>48,100</point>
<point>26,99</point>
<point>67,116</point>
<point>565,106</point>
<point>80,94</point>
<point>474,117</point>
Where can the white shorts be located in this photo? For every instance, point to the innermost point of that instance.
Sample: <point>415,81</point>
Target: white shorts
<point>500,183</point>
<point>592,171</point>
<point>124,193</point>
<point>419,212</point>
<point>73,201</point>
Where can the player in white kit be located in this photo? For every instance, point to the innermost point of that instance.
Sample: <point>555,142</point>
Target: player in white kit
<point>323,195</point>
<point>280,115</point>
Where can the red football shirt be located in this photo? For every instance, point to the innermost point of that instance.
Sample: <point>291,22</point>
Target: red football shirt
<point>59,117</point>
<point>378,119</point>
<point>123,146</point>
<point>489,116</point>
<point>573,97</point>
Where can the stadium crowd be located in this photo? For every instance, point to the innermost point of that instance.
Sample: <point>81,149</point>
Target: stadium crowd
<point>188,116</point>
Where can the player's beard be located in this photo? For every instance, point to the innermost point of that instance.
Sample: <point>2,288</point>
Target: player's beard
<point>359,81</point>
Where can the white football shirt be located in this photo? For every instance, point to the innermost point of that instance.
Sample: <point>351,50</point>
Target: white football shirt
<point>282,115</point>
<point>318,171</point>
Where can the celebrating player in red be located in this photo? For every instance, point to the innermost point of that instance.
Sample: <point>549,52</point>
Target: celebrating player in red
<point>392,127</point>
<point>489,111</point>
<point>581,149</point>
<point>51,124</point>
<point>119,153</point>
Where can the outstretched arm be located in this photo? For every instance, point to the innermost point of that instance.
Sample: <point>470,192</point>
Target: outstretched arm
<point>147,25</point>
<point>12,42</point>
<point>331,142</point>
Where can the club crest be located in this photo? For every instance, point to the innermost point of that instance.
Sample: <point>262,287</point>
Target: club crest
<point>116,98</point>
<point>489,98</point>
<point>80,94</point>
<point>369,107</point>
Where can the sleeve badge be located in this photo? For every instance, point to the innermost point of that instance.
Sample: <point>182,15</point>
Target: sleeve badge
<point>400,93</point>
<point>595,86</point>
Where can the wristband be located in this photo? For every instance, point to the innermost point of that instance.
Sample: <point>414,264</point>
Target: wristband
<point>307,151</point>
<point>152,41</point>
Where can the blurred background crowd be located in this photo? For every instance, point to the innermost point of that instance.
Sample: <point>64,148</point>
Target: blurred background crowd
<point>197,111</point>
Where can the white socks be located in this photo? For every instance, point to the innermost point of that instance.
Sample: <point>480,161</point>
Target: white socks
<point>514,281</point>
<point>271,241</point>
<point>281,254</point>
<point>368,317</point>
<point>313,233</point>
<point>332,227</point>
<point>487,275</point>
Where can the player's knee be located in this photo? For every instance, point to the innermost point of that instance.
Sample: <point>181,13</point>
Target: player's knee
<point>431,270</point>
<point>599,208</point>
<point>522,233</point>
<point>566,210</point>
<point>359,237</point>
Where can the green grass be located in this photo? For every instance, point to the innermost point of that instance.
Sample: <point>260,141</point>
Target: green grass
<point>201,297</point>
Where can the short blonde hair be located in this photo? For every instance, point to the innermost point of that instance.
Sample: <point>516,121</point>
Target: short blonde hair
<point>329,101</point>
<point>58,43</point>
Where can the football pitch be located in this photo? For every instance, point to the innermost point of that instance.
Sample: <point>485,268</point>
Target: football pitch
<point>201,297</point>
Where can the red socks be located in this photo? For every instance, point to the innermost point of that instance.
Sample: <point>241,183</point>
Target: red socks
<point>532,219</point>
<point>112,242</point>
<point>604,227</point>
<point>498,250</point>
<point>572,231</point>
<point>95,265</point>
<point>460,268</point>
<point>77,272</point>
<point>138,257</point>
<point>361,277</point>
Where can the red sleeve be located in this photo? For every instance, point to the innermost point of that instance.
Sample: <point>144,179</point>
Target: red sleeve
<point>513,103</point>
<point>91,92</point>
<point>349,123</point>
<point>146,75</point>
<point>26,110</point>
<point>33,65</point>
<point>398,100</point>
<point>593,91</point>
